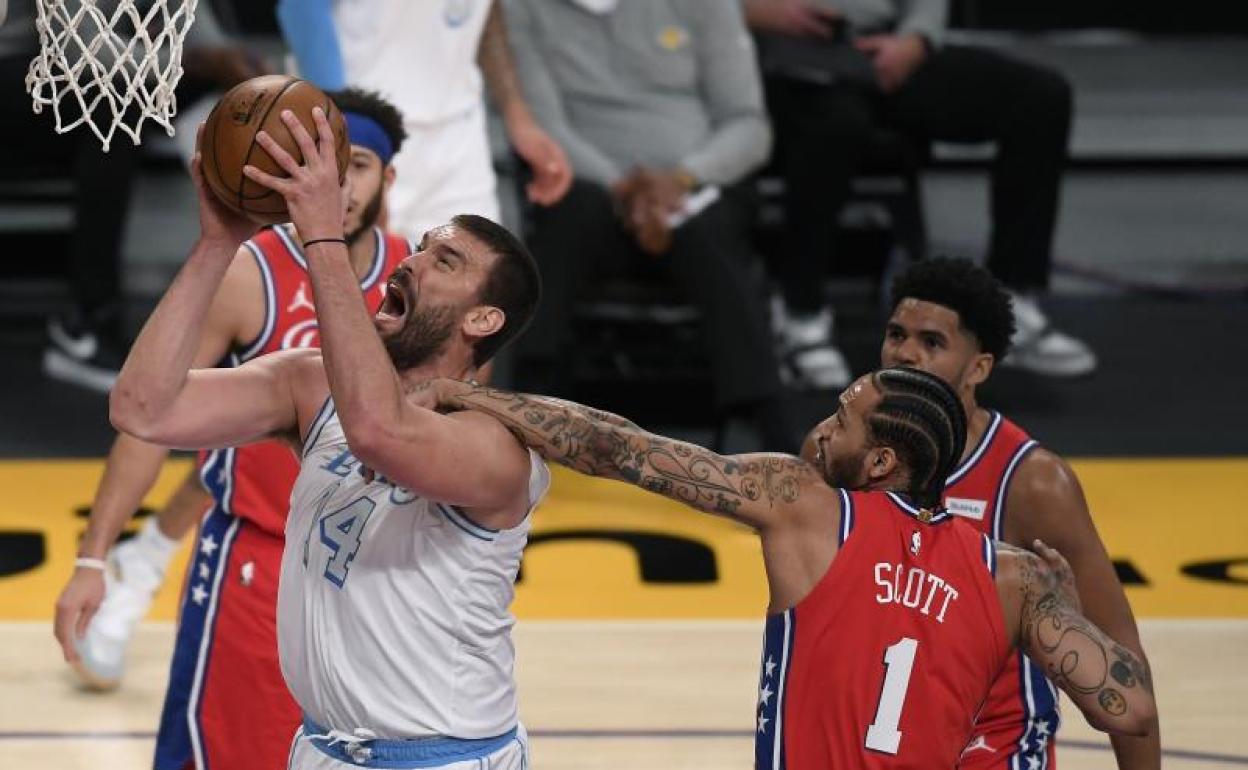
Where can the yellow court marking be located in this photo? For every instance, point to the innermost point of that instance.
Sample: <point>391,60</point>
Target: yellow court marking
<point>1158,515</point>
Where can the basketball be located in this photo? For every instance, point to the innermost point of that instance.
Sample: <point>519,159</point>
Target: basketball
<point>229,141</point>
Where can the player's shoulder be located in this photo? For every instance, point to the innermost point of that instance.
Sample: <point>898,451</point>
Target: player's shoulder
<point>1042,476</point>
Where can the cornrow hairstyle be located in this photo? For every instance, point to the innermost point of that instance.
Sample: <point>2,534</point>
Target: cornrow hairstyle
<point>372,104</point>
<point>923,421</point>
<point>982,304</point>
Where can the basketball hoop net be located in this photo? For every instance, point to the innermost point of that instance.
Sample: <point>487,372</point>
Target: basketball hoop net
<point>109,65</point>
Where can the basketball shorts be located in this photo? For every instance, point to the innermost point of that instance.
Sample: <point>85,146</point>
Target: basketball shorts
<point>313,749</point>
<point>999,749</point>
<point>227,706</point>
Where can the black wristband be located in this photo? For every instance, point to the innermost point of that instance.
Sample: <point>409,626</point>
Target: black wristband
<point>315,241</point>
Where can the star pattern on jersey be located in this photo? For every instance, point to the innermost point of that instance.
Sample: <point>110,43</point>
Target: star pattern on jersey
<point>199,594</point>
<point>223,477</point>
<point>1043,729</point>
<point>769,666</point>
<point>1033,763</point>
<point>762,723</point>
<point>204,571</point>
<point>207,545</point>
<point>764,695</point>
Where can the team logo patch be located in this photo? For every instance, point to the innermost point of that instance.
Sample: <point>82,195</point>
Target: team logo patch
<point>967,508</point>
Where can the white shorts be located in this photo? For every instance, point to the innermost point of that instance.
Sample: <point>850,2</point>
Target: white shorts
<point>510,752</point>
<point>443,170</point>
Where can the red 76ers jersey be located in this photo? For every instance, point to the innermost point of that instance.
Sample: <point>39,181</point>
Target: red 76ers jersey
<point>254,481</point>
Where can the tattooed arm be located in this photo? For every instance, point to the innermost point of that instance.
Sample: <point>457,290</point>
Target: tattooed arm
<point>756,489</point>
<point>1110,684</point>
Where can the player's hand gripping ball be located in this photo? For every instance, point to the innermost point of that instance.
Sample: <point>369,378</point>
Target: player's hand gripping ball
<point>229,141</point>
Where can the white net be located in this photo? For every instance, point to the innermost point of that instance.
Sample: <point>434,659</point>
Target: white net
<point>109,64</point>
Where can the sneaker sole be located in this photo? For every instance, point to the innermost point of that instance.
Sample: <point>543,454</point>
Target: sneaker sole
<point>60,366</point>
<point>92,681</point>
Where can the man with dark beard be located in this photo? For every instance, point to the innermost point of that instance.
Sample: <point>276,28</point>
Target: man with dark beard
<point>890,617</point>
<point>264,304</point>
<point>393,620</point>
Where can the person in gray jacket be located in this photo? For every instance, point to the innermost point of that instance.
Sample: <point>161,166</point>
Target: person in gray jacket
<point>659,106</point>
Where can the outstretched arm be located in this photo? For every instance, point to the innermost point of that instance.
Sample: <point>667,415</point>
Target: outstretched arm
<point>756,489</point>
<point>1110,684</point>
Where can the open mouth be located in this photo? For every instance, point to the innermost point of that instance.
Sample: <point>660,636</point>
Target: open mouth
<point>395,302</point>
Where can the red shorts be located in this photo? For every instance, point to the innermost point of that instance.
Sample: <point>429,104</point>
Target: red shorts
<point>227,706</point>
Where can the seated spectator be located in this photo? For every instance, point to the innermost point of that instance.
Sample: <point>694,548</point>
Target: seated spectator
<point>838,70</point>
<point>657,104</point>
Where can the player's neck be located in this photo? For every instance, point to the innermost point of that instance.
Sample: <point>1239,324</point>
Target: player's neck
<point>977,422</point>
<point>446,364</point>
<point>363,253</point>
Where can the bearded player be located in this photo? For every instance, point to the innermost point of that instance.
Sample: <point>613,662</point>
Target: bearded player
<point>393,620</point>
<point>226,703</point>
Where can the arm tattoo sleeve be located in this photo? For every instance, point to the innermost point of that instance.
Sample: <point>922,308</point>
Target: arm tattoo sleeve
<point>602,444</point>
<point>1075,653</point>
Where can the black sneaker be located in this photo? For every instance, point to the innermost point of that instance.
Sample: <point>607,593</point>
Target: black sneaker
<point>81,355</point>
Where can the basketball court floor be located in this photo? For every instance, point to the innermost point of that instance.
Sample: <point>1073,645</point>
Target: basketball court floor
<point>626,661</point>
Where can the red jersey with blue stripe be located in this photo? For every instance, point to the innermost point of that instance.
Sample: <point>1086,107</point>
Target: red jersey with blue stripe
<point>887,661</point>
<point>1016,728</point>
<point>254,481</point>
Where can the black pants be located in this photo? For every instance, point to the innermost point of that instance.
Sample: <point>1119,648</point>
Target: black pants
<point>958,95</point>
<point>102,185</point>
<point>579,240</point>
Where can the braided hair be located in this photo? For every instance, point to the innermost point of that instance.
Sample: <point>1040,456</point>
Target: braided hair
<point>923,421</point>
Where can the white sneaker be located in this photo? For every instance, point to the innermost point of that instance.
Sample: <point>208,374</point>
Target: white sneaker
<point>1039,348</point>
<point>130,585</point>
<point>808,359</point>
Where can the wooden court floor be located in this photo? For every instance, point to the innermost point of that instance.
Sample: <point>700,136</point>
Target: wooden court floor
<point>613,695</point>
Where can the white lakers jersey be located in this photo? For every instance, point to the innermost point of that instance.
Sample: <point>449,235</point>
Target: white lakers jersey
<point>393,611</point>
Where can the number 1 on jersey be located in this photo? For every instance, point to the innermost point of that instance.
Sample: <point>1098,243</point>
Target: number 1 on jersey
<point>882,734</point>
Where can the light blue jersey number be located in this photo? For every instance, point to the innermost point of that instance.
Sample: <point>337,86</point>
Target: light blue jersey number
<point>341,531</point>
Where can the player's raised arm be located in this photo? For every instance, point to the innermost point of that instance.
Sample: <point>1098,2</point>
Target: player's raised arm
<point>756,489</point>
<point>1109,683</point>
<point>157,398</point>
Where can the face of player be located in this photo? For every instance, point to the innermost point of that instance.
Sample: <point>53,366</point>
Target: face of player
<point>931,338</point>
<point>432,299</point>
<point>839,447</point>
<point>369,183</point>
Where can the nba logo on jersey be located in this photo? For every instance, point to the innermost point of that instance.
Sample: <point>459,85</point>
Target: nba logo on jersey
<point>966,508</point>
<point>915,543</point>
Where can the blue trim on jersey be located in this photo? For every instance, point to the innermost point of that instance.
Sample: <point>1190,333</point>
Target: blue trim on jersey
<point>984,442</point>
<point>465,523</point>
<point>379,260</point>
<point>217,476</point>
<point>778,635</point>
<point>1039,715</point>
<point>937,517</point>
<point>990,554</point>
<point>847,516</point>
<point>314,430</point>
<point>296,252</point>
<point>374,270</point>
<point>413,753</point>
<point>998,510</point>
<point>270,304</point>
<point>178,740</point>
